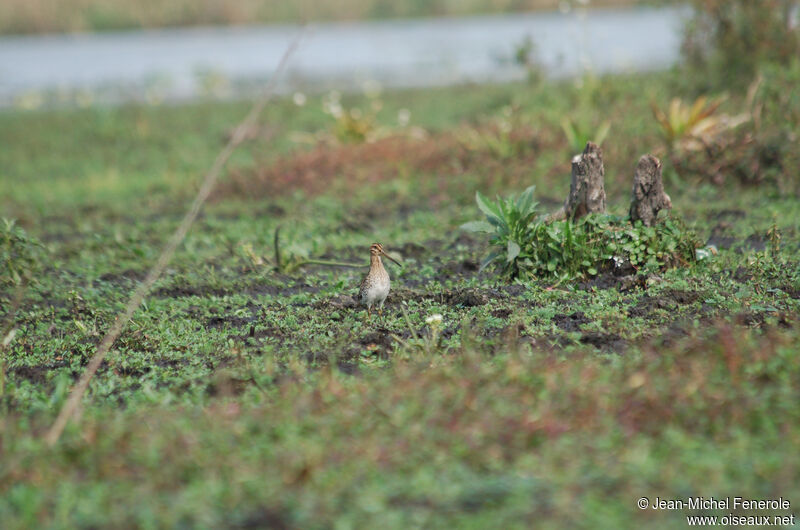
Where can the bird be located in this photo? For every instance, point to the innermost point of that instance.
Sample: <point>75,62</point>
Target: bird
<point>375,286</point>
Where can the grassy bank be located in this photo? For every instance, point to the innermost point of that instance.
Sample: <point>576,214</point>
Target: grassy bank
<point>243,396</point>
<point>59,16</point>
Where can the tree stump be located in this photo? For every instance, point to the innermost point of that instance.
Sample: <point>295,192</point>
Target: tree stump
<point>648,196</point>
<point>587,192</point>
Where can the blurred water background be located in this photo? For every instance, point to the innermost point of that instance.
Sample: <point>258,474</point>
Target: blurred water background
<point>224,62</point>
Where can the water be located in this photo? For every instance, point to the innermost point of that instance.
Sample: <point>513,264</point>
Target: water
<point>179,64</point>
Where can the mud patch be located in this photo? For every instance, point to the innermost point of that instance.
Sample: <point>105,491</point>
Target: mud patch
<point>122,278</point>
<point>185,291</point>
<point>411,250</point>
<point>250,289</point>
<point>133,372</point>
<point>755,242</point>
<point>792,292</point>
<point>263,518</point>
<point>728,214</point>
<point>34,374</point>
<point>502,313</point>
<point>608,280</point>
<point>470,297</point>
<point>514,290</point>
<point>683,297</point>
<point>667,301</point>
<point>339,302</point>
<point>217,322</point>
<point>742,275</point>
<point>379,341</point>
<point>228,386</point>
<point>467,267</point>
<point>571,322</point>
<point>721,242</point>
<point>604,341</point>
<point>758,319</point>
<point>675,332</point>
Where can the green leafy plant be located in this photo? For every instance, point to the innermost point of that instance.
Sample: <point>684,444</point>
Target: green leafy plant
<point>20,255</point>
<point>578,134</point>
<point>692,127</point>
<point>774,238</point>
<point>511,223</point>
<point>696,137</point>
<point>525,246</point>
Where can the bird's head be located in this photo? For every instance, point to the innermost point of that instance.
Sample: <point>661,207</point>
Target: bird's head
<point>376,249</point>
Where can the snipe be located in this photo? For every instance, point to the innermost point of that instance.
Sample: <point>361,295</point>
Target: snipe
<point>375,287</point>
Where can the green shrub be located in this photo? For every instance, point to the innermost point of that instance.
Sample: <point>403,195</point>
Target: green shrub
<point>727,40</point>
<point>511,222</point>
<point>776,110</point>
<point>19,255</point>
<point>525,246</point>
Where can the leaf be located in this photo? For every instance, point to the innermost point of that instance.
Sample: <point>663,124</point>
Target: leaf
<point>568,232</point>
<point>525,203</point>
<point>601,133</point>
<point>569,132</point>
<point>696,111</point>
<point>513,251</point>
<point>662,120</point>
<point>487,206</point>
<point>477,226</point>
<point>488,259</point>
<point>499,223</point>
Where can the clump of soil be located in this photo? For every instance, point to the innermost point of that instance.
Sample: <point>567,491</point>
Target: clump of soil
<point>217,322</point>
<point>184,291</point>
<point>34,374</point>
<point>604,341</point>
<point>571,322</point>
<point>379,341</point>
<point>469,297</point>
<point>667,301</point>
<point>502,312</point>
<point>608,280</point>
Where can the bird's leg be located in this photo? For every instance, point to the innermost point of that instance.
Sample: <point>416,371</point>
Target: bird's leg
<point>369,312</point>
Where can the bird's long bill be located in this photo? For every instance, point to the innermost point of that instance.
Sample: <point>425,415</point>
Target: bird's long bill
<point>391,258</point>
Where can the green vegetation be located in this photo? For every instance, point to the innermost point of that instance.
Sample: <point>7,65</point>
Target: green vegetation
<point>578,135</point>
<point>250,390</point>
<point>523,440</point>
<point>19,255</point>
<point>22,16</point>
<point>728,41</point>
<point>530,247</point>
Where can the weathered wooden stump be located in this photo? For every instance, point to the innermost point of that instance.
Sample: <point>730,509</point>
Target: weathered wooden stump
<point>587,192</point>
<point>648,196</point>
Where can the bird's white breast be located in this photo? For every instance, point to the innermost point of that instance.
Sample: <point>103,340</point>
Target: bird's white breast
<point>377,290</point>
